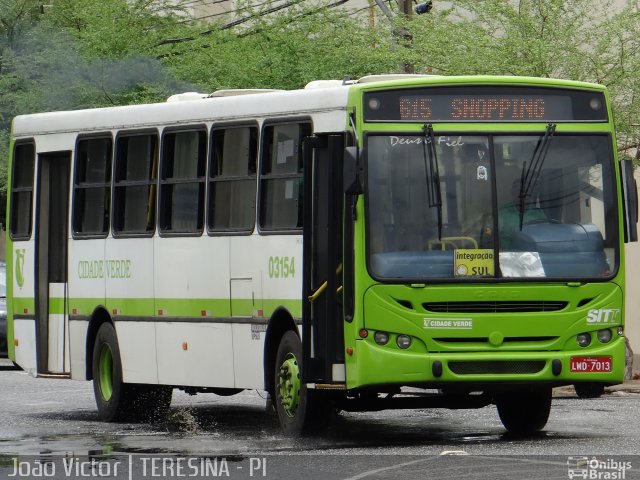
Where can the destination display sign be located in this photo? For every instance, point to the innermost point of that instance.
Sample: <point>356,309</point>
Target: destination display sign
<point>484,104</point>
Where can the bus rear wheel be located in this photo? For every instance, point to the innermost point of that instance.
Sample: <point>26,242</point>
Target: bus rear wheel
<point>526,411</point>
<point>116,400</point>
<point>300,410</point>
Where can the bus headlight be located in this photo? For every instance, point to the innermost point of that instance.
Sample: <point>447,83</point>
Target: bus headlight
<point>403,341</point>
<point>381,338</point>
<point>584,339</point>
<point>604,336</point>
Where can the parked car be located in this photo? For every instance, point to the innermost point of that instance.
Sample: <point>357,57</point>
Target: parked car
<point>3,310</point>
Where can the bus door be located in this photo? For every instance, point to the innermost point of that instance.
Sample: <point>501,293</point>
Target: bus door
<point>52,218</point>
<point>322,314</point>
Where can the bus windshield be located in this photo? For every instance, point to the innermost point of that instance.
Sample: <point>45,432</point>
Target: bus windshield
<point>508,206</point>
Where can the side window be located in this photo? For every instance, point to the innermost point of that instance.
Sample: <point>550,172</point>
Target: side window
<point>232,180</point>
<point>136,167</point>
<point>24,157</point>
<point>92,187</point>
<point>281,176</point>
<point>182,182</point>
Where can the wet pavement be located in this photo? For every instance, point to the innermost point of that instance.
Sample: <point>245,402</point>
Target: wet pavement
<point>58,416</point>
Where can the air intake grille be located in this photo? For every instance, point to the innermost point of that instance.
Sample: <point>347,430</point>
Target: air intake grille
<point>494,307</point>
<point>496,367</point>
<point>486,339</point>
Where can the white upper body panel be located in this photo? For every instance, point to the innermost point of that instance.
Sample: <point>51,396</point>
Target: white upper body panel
<point>327,106</point>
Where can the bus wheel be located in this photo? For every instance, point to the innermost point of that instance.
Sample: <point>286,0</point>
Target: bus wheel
<point>299,409</point>
<point>115,399</point>
<point>524,412</point>
<point>589,390</point>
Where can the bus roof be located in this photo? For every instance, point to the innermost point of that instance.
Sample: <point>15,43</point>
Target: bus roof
<point>326,100</point>
<point>386,81</point>
<point>294,103</point>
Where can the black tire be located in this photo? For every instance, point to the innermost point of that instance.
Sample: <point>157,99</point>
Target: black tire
<point>226,392</point>
<point>589,390</point>
<point>312,410</point>
<point>119,401</point>
<point>523,412</point>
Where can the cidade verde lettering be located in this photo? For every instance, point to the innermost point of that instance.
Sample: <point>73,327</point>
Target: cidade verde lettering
<point>112,269</point>
<point>91,269</point>
<point>464,323</point>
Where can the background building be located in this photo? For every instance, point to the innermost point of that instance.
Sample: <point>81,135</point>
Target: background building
<point>233,9</point>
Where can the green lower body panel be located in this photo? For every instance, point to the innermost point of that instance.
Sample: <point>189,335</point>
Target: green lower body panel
<point>372,365</point>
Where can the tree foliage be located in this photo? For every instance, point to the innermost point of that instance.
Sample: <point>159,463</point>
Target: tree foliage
<point>304,43</point>
<point>78,54</point>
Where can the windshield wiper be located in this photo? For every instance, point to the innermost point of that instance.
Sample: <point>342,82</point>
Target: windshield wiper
<point>433,174</point>
<point>531,173</point>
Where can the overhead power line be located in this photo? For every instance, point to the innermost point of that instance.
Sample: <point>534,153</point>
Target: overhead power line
<point>246,19</point>
<point>242,20</point>
<point>302,15</point>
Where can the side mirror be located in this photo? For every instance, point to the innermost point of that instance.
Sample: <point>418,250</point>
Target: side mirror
<point>630,192</point>
<point>351,172</point>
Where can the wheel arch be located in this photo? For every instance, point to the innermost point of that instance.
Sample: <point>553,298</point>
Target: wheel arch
<point>98,317</point>
<point>280,322</point>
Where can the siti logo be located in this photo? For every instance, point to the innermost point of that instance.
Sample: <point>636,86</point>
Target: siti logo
<point>595,468</point>
<point>19,264</point>
<point>599,316</point>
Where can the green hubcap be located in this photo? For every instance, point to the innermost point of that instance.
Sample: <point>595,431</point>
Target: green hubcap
<point>105,373</point>
<point>289,385</point>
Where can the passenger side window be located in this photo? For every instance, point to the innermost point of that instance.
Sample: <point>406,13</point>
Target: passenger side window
<point>24,156</point>
<point>182,182</point>
<point>135,184</point>
<point>232,180</point>
<point>281,176</point>
<point>92,187</point>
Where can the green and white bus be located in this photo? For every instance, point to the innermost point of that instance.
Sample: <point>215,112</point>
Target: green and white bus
<point>392,242</point>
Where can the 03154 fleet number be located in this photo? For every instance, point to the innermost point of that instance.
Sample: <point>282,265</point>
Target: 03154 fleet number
<point>282,267</point>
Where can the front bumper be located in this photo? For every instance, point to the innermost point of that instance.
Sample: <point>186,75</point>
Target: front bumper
<point>372,365</point>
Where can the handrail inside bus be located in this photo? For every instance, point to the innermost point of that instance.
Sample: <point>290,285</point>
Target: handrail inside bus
<point>455,241</point>
<point>323,287</point>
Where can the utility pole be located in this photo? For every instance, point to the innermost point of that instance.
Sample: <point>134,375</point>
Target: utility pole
<point>406,7</point>
<point>372,19</point>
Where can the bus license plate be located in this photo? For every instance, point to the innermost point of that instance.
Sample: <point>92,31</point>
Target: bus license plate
<point>591,364</point>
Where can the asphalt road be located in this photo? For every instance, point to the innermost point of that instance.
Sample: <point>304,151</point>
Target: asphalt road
<point>56,420</point>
